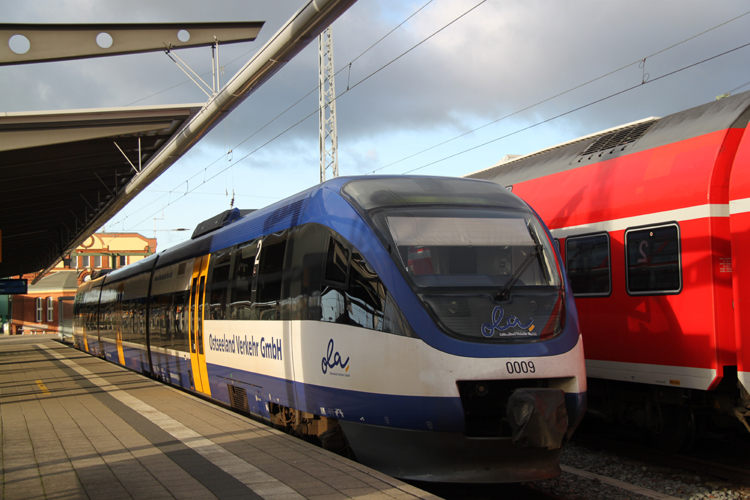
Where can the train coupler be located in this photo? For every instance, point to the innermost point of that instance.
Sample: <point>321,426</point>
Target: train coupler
<point>538,417</point>
<point>742,415</point>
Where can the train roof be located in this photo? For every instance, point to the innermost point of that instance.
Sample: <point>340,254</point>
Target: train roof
<point>729,112</point>
<point>229,227</point>
<point>372,193</point>
<point>142,266</point>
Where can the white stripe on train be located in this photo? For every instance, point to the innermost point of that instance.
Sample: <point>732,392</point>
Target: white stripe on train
<point>739,206</point>
<point>353,358</point>
<point>679,215</point>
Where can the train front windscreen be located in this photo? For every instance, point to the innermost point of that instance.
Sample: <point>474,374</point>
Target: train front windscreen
<point>485,273</point>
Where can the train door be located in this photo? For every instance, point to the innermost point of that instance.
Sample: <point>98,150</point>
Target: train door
<point>85,327</point>
<point>118,317</point>
<point>195,325</point>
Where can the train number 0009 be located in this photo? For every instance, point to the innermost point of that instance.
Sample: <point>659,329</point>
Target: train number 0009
<point>520,367</point>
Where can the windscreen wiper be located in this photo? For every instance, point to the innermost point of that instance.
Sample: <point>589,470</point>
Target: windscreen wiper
<point>503,293</point>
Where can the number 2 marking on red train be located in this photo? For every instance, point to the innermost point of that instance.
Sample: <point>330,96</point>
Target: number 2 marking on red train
<point>641,246</point>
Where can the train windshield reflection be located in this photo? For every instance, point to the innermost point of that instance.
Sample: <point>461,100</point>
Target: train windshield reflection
<point>487,251</point>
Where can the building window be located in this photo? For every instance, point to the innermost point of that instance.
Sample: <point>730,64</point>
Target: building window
<point>39,306</point>
<point>85,261</point>
<point>123,260</point>
<point>653,260</point>
<point>73,262</point>
<point>587,263</point>
<point>50,310</point>
<point>98,261</point>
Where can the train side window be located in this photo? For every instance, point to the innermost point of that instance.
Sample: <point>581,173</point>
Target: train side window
<point>653,260</point>
<point>365,295</point>
<point>139,327</point>
<point>266,305</point>
<point>587,261</point>
<point>218,285</point>
<point>306,271</point>
<point>334,303</point>
<point>337,263</point>
<point>180,314</point>
<point>242,281</point>
<point>352,293</point>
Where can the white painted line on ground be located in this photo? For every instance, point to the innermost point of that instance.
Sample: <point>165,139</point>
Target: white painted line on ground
<point>618,484</point>
<point>261,483</point>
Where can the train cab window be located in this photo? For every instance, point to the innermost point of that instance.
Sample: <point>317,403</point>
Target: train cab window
<point>242,281</point>
<point>267,302</point>
<point>587,262</point>
<point>218,285</point>
<point>653,260</point>
<point>476,250</point>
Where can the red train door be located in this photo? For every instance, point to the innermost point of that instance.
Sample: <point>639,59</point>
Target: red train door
<point>739,223</point>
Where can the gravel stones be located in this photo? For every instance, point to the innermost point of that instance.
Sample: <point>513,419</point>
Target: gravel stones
<point>662,480</point>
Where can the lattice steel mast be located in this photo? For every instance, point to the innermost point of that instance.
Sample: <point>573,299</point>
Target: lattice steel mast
<point>329,156</point>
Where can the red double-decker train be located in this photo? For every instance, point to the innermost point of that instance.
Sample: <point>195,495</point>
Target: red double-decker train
<point>653,222</point>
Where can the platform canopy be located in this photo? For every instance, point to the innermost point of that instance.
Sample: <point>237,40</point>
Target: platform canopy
<point>64,174</point>
<point>59,168</point>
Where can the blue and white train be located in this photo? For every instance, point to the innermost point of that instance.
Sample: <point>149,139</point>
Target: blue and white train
<point>424,324</point>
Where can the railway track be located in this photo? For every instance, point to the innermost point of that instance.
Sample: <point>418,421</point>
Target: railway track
<point>726,458</point>
<point>603,457</point>
<point>605,462</point>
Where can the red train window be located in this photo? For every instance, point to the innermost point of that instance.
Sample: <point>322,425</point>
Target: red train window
<point>587,264</point>
<point>653,260</point>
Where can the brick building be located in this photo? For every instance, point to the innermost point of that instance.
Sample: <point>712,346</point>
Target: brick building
<point>109,251</point>
<point>38,311</point>
<point>48,305</point>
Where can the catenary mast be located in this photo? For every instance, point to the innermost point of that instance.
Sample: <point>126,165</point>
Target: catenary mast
<point>329,157</point>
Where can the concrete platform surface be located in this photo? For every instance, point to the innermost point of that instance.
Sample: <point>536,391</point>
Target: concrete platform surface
<point>75,426</point>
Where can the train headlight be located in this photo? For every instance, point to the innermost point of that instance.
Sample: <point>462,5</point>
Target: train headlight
<point>481,389</point>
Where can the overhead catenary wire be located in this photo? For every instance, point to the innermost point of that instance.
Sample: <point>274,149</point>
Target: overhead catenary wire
<point>506,135</point>
<point>188,191</point>
<point>646,82</point>
<point>315,112</point>
<point>738,88</point>
<point>643,80</point>
<point>267,124</point>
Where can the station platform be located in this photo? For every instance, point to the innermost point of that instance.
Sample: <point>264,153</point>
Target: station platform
<point>75,426</point>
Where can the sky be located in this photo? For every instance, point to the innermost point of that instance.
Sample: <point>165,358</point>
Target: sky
<point>457,86</point>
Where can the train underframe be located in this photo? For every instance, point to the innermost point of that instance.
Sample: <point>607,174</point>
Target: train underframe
<point>674,417</point>
<point>492,448</point>
<point>421,455</point>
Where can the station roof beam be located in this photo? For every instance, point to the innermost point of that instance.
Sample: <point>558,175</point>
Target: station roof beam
<point>60,168</point>
<point>34,43</point>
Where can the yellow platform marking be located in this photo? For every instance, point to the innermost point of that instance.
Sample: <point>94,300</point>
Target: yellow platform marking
<point>42,387</point>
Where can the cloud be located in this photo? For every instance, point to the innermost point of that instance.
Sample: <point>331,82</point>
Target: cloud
<point>498,59</point>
